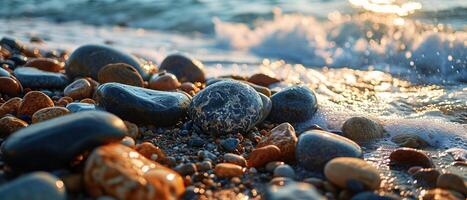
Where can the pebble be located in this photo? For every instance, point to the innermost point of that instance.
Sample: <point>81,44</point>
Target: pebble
<point>414,170</point>
<point>10,124</point>
<point>204,166</point>
<point>228,170</point>
<point>362,130</point>
<point>410,140</point>
<point>128,141</point>
<point>374,196</point>
<point>230,144</point>
<point>133,130</point>
<point>189,88</point>
<point>267,107</point>
<point>35,78</point>
<point>45,64</point>
<point>452,182</point>
<point>226,107</point>
<point>120,73</point>
<point>315,148</point>
<point>196,141</point>
<point>32,102</point>
<point>79,89</point>
<point>262,79</point>
<point>55,143</point>
<point>318,183</point>
<point>88,100</point>
<point>293,104</point>
<point>87,60</point>
<point>164,81</point>
<point>270,166</point>
<point>263,155</point>
<point>440,194</point>
<point>80,107</point>
<point>142,105</point>
<point>34,186</point>
<point>10,107</point>
<point>73,182</point>
<point>283,136</point>
<point>293,191</point>
<point>235,159</point>
<point>260,89</point>
<point>10,86</point>
<point>150,151</point>
<point>204,154</point>
<point>408,157</point>
<point>343,169</point>
<point>284,171</point>
<point>121,172</point>
<point>4,73</point>
<point>48,113</point>
<point>426,177</point>
<point>184,68</point>
<point>186,169</point>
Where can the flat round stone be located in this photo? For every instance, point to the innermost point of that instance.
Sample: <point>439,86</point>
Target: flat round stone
<point>293,104</point>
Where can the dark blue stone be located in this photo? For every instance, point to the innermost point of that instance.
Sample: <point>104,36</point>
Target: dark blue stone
<point>142,105</point>
<point>230,144</point>
<point>18,59</point>
<point>196,142</point>
<point>293,104</point>
<point>4,73</point>
<point>34,186</point>
<point>35,78</point>
<point>374,196</point>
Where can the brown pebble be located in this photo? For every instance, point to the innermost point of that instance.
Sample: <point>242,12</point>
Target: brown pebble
<point>186,169</point>
<point>46,64</point>
<point>284,137</point>
<point>452,182</point>
<point>34,101</point>
<point>164,81</point>
<point>150,151</point>
<point>64,101</point>
<point>73,183</point>
<point>204,166</point>
<point>88,100</point>
<point>410,140</point>
<point>9,124</point>
<point>10,107</point>
<point>120,73</point>
<point>263,80</point>
<point>79,89</point>
<point>409,157</point>
<point>261,156</point>
<point>189,88</point>
<point>228,170</point>
<point>414,170</point>
<point>48,113</point>
<point>10,86</point>
<point>362,130</point>
<point>235,159</point>
<point>426,177</point>
<point>440,194</point>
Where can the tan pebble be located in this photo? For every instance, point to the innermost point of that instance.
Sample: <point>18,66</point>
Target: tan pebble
<point>121,172</point>
<point>133,130</point>
<point>410,157</point>
<point>261,156</point>
<point>228,170</point>
<point>46,64</point>
<point>79,89</point>
<point>120,73</point>
<point>440,194</point>
<point>49,113</point>
<point>10,86</point>
<point>164,81</point>
<point>10,107</point>
<point>340,170</point>
<point>9,124</point>
<point>284,137</point>
<point>148,149</point>
<point>235,159</point>
<point>88,100</point>
<point>263,80</point>
<point>452,182</point>
<point>362,129</point>
<point>34,101</point>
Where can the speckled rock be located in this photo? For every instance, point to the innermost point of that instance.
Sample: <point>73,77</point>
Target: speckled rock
<point>48,113</point>
<point>10,86</point>
<point>45,64</point>
<point>410,140</point>
<point>32,102</point>
<point>341,170</point>
<point>293,191</point>
<point>226,107</point>
<point>315,148</point>
<point>80,107</point>
<point>87,60</point>
<point>293,104</point>
<point>164,81</point>
<point>408,157</point>
<point>34,186</point>
<point>54,143</point>
<point>362,129</point>
<point>228,170</point>
<point>10,107</point>
<point>142,105</point>
<point>235,159</point>
<point>120,73</point>
<point>10,124</point>
<point>121,172</point>
<point>186,69</point>
<point>426,177</point>
<point>260,89</point>
<point>35,78</point>
<point>283,136</point>
<point>263,155</point>
<point>452,182</point>
<point>79,89</point>
<point>262,79</point>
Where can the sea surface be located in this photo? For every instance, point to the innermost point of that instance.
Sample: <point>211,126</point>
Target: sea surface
<point>403,63</point>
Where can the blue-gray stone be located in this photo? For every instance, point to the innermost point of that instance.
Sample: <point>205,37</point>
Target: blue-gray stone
<point>374,196</point>
<point>315,148</point>
<point>35,78</point>
<point>226,107</point>
<point>4,73</point>
<point>54,143</point>
<point>267,106</point>
<point>230,144</point>
<point>34,186</point>
<point>293,191</point>
<point>293,104</point>
<point>87,60</point>
<point>79,107</point>
<point>143,105</point>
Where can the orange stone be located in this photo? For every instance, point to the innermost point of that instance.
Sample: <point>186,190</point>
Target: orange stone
<point>189,88</point>
<point>152,152</point>
<point>10,107</point>
<point>228,170</point>
<point>263,155</point>
<point>34,101</point>
<point>164,81</point>
<point>79,89</point>
<point>410,157</point>
<point>263,80</point>
<point>88,100</point>
<point>10,124</point>
<point>120,73</point>
<point>10,86</point>
<point>282,136</point>
<point>121,172</point>
<point>46,64</point>
<point>48,113</point>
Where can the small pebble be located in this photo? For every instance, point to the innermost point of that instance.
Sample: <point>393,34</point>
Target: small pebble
<point>48,113</point>
<point>426,177</point>
<point>235,159</point>
<point>79,89</point>
<point>408,157</point>
<point>261,156</point>
<point>270,166</point>
<point>452,182</point>
<point>34,101</point>
<point>340,170</point>
<point>186,169</point>
<point>9,124</point>
<point>362,130</point>
<point>120,73</point>
<point>128,141</point>
<point>284,171</point>
<point>164,81</point>
<point>228,170</point>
